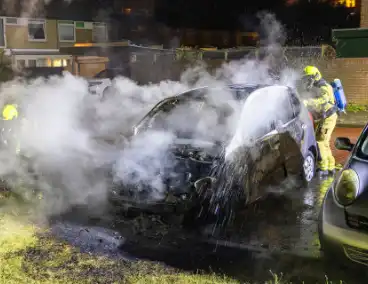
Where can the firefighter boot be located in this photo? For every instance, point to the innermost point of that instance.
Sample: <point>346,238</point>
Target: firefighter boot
<point>322,173</point>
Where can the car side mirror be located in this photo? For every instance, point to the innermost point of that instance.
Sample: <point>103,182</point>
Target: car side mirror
<point>344,144</point>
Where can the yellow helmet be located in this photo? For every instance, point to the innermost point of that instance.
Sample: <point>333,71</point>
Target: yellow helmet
<point>313,72</point>
<point>10,112</point>
<point>311,75</point>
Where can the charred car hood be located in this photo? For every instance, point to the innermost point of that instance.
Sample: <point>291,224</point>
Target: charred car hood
<point>191,160</point>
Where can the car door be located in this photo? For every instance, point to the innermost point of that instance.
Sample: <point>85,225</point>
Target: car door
<point>265,158</point>
<point>291,134</point>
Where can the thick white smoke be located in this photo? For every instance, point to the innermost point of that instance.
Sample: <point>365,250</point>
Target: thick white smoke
<point>272,110</point>
<point>67,135</point>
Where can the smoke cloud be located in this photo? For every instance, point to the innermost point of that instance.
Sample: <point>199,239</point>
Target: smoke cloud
<point>70,139</point>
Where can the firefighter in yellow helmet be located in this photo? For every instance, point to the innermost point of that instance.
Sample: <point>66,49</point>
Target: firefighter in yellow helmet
<point>9,114</point>
<point>324,111</point>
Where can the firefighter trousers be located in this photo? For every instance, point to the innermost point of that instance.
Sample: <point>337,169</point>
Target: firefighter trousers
<point>323,136</point>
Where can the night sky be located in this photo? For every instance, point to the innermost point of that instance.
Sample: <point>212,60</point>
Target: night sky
<point>311,19</point>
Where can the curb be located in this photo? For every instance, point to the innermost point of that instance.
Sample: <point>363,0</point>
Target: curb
<point>350,125</point>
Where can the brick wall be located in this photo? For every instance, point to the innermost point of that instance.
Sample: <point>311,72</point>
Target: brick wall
<point>353,72</point>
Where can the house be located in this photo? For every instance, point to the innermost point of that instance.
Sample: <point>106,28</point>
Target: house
<point>37,42</point>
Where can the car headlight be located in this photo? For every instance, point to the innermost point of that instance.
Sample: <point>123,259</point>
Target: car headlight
<point>346,187</point>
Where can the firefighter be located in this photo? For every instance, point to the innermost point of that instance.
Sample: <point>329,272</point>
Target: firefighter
<point>9,114</point>
<point>324,111</point>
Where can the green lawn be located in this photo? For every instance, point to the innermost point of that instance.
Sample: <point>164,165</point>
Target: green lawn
<point>356,107</point>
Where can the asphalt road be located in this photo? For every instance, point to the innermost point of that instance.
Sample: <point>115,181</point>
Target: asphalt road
<point>278,234</point>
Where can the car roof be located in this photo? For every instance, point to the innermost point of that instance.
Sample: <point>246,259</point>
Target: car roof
<point>246,86</point>
<point>234,87</point>
<point>196,93</point>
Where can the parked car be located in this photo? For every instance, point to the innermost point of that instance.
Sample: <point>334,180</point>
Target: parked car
<point>111,73</point>
<point>102,83</point>
<point>343,220</point>
<point>227,168</point>
<point>31,73</point>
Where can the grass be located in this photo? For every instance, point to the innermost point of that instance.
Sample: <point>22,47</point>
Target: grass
<point>356,108</point>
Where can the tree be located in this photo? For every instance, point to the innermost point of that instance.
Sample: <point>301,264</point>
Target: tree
<point>6,70</point>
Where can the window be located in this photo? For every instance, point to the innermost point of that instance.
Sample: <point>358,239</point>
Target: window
<point>99,32</point>
<point>21,64</point>
<point>59,63</point>
<point>2,33</point>
<point>350,4</point>
<point>295,102</point>
<point>271,105</point>
<point>11,21</point>
<point>41,62</point>
<point>66,32</point>
<point>32,63</point>
<point>362,149</point>
<point>205,119</point>
<point>285,111</point>
<point>36,30</point>
<point>127,10</point>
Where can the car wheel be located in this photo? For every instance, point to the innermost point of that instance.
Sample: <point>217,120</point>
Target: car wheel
<point>309,167</point>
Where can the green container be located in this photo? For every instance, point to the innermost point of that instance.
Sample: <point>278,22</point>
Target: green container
<point>79,25</point>
<point>351,43</point>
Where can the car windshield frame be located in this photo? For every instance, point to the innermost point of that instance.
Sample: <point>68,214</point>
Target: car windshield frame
<point>240,92</point>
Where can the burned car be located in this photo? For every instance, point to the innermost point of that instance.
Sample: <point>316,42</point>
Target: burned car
<point>224,146</point>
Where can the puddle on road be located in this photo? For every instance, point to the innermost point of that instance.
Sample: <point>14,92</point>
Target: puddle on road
<point>282,223</point>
